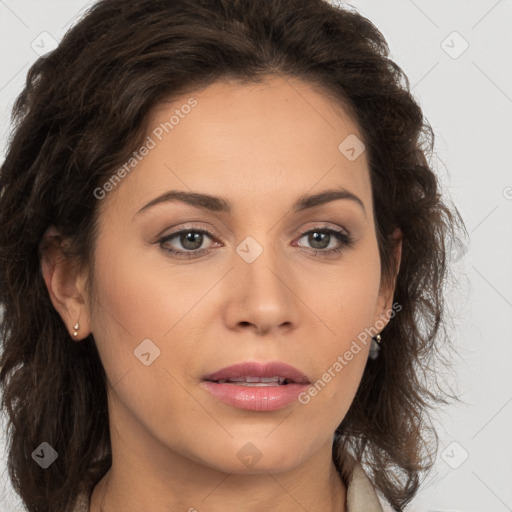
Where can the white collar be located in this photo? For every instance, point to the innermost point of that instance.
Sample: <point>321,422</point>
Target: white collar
<point>361,495</point>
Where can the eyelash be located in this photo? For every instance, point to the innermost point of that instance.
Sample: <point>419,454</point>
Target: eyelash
<point>345,239</point>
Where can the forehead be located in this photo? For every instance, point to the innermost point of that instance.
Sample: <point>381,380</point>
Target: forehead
<point>281,136</point>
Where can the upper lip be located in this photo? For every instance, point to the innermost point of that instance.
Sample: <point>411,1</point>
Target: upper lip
<point>256,369</point>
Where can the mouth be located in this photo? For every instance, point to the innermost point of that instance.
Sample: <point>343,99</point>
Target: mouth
<point>256,381</point>
<point>256,386</point>
<point>251,373</point>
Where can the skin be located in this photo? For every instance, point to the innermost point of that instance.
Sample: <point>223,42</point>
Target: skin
<point>175,445</point>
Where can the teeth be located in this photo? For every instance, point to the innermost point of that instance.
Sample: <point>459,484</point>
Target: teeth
<point>257,384</point>
<point>255,381</point>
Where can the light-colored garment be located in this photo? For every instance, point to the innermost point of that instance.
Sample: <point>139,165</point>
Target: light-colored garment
<point>361,496</point>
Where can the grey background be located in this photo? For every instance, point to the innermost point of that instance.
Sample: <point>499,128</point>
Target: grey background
<point>467,98</point>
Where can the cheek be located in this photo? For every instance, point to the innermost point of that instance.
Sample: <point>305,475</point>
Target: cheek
<point>139,310</point>
<point>346,307</point>
<point>140,294</point>
<point>347,298</point>
<point>137,298</point>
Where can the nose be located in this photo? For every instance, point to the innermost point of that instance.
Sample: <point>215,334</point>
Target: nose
<point>262,295</point>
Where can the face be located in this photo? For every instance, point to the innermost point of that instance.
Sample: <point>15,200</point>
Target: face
<point>261,281</point>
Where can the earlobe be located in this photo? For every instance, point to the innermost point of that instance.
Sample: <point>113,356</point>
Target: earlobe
<point>59,274</point>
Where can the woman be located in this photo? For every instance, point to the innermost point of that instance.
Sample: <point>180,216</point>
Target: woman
<point>224,254</point>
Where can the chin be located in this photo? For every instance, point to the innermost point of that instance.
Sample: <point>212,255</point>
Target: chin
<point>252,458</point>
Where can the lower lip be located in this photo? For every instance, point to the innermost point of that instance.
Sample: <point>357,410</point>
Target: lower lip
<point>256,398</point>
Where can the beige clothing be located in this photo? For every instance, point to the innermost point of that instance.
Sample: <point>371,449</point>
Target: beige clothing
<point>361,496</point>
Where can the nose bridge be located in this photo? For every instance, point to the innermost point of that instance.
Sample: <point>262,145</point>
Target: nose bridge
<point>260,260</point>
<point>263,279</point>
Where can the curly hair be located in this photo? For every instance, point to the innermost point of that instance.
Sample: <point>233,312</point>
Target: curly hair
<point>85,108</point>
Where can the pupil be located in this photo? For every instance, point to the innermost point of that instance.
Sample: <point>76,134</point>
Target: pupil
<point>317,235</point>
<point>193,239</point>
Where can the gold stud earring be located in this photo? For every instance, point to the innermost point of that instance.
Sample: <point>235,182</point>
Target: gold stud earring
<point>76,327</point>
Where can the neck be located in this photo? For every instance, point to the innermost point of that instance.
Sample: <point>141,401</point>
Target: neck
<point>147,474</point>
<point>135,484</point>
<point>271,493</point>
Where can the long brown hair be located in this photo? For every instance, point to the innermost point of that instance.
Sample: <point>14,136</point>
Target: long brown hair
<point>84,109</point>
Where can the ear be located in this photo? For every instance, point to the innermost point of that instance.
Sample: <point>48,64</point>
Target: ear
<point>65,286</point>
<point>387,288</point>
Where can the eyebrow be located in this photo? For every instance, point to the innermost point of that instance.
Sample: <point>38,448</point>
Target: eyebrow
<point>223,205</point>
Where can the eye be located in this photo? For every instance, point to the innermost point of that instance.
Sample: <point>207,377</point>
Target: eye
<point>320,238</point>
<point>190,239</point>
